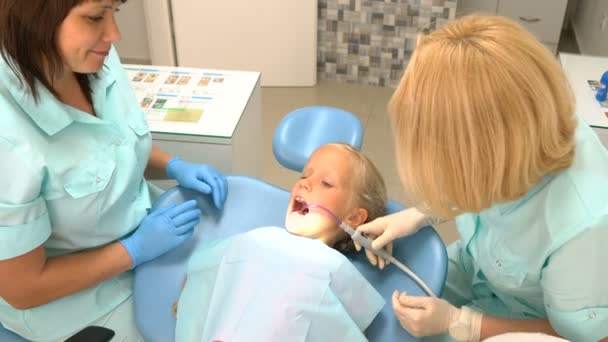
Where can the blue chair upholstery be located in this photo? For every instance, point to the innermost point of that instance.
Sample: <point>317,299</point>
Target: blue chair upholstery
<point>303,130</point>
<point>158,283</point>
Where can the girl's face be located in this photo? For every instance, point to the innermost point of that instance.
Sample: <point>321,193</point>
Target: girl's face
<point>85,36</point>
<point>327,180</point>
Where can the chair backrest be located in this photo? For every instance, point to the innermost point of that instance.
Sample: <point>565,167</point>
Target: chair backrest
<point>425,254</point>
<point>304,130</point>
<point>158,283</point>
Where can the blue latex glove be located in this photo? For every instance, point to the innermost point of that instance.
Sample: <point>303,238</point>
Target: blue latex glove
<point>161,231</point>
<point>199,177</point>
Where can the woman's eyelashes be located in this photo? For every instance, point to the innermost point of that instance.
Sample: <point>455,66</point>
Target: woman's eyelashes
<point>100,17</point>
<point>95,19</point>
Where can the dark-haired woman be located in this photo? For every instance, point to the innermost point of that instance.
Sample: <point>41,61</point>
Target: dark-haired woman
<point>74,145</point>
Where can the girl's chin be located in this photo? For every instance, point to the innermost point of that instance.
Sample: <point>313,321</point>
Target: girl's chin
<point>304,225</point>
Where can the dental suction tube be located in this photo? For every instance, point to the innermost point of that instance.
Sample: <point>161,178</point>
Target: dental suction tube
<point>366,242</point>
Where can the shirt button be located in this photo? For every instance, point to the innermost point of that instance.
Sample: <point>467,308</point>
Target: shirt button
<point>98,180</point>
<point>592,315</point>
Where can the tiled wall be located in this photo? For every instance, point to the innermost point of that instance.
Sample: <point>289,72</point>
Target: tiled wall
<point>370,41</point>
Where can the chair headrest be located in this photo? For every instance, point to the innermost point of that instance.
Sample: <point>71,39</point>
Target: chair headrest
<point>304,130</point>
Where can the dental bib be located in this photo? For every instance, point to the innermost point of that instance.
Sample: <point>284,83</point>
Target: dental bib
<point>269,285</point>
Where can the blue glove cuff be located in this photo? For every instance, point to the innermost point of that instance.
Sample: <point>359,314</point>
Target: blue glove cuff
<point>170,174</point>
<point>129,247</point>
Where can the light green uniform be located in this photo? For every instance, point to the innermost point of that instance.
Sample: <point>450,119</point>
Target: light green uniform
<point>545,254</point>
<point>70,181</point>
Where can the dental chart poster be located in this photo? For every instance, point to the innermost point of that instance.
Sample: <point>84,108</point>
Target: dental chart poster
<point>190,100</point>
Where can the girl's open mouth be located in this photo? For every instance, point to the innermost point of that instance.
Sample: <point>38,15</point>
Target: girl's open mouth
<point>299,206</point>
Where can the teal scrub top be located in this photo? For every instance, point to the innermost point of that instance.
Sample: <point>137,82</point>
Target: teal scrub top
<point>70,181</point>
<point>544,255</point>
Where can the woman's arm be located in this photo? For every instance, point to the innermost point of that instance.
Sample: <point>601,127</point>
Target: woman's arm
<point>33,279</point>
<point>492,326</point>
<point>157,164</point>
<point>574,290</point>
<point>427,316</point>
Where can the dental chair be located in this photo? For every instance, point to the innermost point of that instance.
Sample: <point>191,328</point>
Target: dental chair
<point>303,130</point>
<point>253,203</point>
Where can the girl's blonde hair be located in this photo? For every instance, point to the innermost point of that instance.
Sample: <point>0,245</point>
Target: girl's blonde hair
<point>369,189</point>
<point>368,184</point>
<point>481,114</point>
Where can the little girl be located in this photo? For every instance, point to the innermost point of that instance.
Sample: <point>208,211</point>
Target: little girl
<point>279,286</point>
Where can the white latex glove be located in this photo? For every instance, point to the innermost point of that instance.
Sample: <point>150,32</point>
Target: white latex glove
<point>373,258</point>
<point>428,316</point>
<point>387,228</point>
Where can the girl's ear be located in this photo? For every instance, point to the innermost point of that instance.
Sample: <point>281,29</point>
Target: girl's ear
<point>357,217</point>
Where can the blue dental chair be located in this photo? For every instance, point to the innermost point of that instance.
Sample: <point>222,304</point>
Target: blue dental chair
<point>253,203</point>
<point>303,130</point>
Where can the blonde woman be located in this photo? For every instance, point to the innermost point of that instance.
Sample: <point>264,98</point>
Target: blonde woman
<point>486,133</point>
<point>74,145</point>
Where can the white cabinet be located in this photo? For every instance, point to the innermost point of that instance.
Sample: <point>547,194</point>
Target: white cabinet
<point>276,37</point>
<point>476,6</point>
<point>544,18</point>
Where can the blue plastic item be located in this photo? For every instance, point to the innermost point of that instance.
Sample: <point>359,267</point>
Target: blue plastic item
<point>252,203</point>
<point>303,130</point>
<point>602,94</point>
<point>604,79</point>
<point>603,91</point>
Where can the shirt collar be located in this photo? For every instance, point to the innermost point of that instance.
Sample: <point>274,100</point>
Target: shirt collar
<point>508,207</point>
<point>104,80</point>
<point>50,114</point>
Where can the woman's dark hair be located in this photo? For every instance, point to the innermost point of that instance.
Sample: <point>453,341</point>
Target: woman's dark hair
<point>28,30</point>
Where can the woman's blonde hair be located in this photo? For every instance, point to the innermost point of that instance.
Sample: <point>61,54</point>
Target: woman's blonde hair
<point>481,114</point>
<point>368,188</point>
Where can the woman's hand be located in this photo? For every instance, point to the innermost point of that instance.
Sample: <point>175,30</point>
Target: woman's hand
<point>199,177</point>
<point>428,316</point>
<point>161,231</point>
<point>387,228</point>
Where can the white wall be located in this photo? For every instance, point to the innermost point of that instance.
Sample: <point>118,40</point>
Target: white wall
<point>586,24</point>
<point>133,48</point>
<point>276,37</point>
